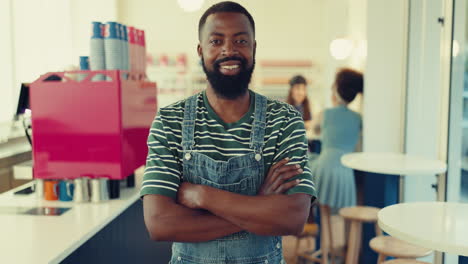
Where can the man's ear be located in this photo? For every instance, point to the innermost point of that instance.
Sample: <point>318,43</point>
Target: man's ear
<point>199,50</point>
<point>254,48</point>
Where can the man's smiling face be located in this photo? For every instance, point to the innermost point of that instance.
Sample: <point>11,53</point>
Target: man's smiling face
<point>227,49</point>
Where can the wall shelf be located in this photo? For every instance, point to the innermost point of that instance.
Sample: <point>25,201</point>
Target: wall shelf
<point>286,63</point>
<point>272,77</point>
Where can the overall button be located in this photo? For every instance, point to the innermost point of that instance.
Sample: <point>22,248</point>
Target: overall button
<point>278,245</point>
<point>188,156</point>
<point>258,157</point>
<point>179,258</point>
<point>266,261</point>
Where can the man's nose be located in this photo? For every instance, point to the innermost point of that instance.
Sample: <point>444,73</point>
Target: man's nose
<point>229,49</point>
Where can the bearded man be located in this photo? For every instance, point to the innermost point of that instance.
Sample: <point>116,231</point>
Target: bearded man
<point>226,173</point>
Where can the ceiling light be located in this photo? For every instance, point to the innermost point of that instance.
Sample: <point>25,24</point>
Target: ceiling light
<point>190,5</point>
<point>341,48</point>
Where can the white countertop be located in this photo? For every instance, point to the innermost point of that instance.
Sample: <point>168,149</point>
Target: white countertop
<point>436,225</point>
<point>49,239</point>
<point>392,163</point>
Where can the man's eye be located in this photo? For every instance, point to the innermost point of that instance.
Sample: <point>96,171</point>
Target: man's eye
<point>242,41</point>
<point>215,41</point>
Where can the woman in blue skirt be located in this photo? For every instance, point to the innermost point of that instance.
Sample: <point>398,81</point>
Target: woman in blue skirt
<point>340,130</point>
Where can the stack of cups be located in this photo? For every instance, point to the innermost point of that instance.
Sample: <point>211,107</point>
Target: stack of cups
<point>97,56</point>
<point>132,49</point>
<point>139,51</point>
<point>112,45</point>
<point>115,46</point>
<point>125,50</point>
<point>142,50</point>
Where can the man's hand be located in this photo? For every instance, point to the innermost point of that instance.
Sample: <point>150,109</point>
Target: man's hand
<point>190,195</point>
<point>279,173</point>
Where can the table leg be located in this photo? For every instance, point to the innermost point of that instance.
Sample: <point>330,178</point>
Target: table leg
<point>401,188</point>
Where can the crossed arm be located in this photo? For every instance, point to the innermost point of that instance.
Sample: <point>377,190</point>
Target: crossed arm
<point>203,213</point>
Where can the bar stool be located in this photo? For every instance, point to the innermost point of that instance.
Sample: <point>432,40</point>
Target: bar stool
<point>394,247</point>
<point>358,215</point>
<point>310,231</point>
<point>405,261</point>
<point>327,247</point>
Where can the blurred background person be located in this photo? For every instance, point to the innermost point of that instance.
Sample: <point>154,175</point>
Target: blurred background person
<point>297,97</point>
<point>340,130</point>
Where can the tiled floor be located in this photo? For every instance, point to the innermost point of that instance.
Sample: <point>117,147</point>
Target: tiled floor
<point>289,242</point>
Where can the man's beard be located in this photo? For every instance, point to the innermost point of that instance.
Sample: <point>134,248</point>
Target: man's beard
<point>229,86</point>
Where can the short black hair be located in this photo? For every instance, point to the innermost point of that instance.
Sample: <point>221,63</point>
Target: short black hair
<point>226,6</point>
<point>349,83</point>
<point>298,79</point>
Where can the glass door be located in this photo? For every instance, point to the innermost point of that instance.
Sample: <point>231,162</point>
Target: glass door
<point>457,174</point>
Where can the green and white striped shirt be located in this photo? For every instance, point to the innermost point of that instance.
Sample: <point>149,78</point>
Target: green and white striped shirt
<point>284,137</point>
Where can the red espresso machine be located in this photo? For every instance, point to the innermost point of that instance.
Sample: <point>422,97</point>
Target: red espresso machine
<point>84,126</point>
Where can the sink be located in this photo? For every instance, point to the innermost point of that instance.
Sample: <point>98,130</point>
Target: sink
<point>55,211</point>
<point>43,210</point>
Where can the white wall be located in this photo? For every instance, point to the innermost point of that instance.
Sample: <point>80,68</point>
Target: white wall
<point>42,37</point>
<point>357,31</point>
<point>6,66</point>
<point>50,35</point>
<point>385,76</point>
<point>293,30</point>
<point>345,19</point>
<point>83,12</point>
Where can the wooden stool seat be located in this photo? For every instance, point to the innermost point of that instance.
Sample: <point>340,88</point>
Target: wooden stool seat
<point>360,213</point>
<point>394,247</point>
<point>405,261</point>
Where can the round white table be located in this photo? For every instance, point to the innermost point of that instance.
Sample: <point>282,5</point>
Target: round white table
<point>436,225</point>
<point>392,163</point>
<point>398,164</point>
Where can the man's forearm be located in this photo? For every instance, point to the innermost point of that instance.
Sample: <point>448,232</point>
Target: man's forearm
<point>188,225</point>
<point>263,215</point>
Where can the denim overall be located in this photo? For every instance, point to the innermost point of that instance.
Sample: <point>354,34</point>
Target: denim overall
<point>243,175</point>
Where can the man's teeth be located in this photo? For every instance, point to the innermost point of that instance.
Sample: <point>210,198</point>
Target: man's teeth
<point>230,67</point>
